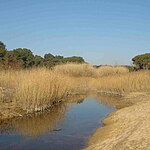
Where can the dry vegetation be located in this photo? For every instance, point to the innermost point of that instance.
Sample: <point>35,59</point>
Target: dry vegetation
<point>111,70</point>
<point>37,89</point>
<point>76,70</point>
<point>86,70</point>
<point>119,84</point>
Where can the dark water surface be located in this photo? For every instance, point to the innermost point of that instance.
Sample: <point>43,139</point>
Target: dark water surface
<point>66,127</point>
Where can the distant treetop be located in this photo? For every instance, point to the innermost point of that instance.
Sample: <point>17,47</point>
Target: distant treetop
<point>142,61</point>
<point>2,45</point>
<point>24,58</point>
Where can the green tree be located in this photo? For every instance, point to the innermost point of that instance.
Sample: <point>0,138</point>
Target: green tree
<point>142,61</point>
<point>2,45</point>
<point>25,55</point>
<point>38,60</point>
<point>75,59</point>
<point>59,57</point>
<point>24,58</point>
<point>2,49</point>
<point>11,61</point>
<point>49,56</point>
<point>51,60</point>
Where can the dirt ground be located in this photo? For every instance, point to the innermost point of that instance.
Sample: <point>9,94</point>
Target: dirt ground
<point>127,128</point>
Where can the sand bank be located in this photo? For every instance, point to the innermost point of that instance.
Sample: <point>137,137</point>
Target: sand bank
<point>127,128</point>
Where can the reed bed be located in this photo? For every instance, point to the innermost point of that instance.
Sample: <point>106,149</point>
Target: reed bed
<point>37,89</point>
<point>76,70</point>
<point>111,70</point>
<point>86,70</point>
<point>108,79</point>
<point>124,83</point>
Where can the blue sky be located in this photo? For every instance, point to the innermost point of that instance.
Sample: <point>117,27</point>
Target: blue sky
<point>102,31</point>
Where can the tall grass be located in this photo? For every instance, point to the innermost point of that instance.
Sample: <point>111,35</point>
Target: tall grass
<point>86,70</point>
<point>76,70</point>
<point>109,79</point>
<point>111,70</point>
<point>37,89</point>
<point>124,83</point>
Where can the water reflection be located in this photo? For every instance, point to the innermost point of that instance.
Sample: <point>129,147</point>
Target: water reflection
<point>6,127</point>
<point>78,119</point>
<point>41,123</point>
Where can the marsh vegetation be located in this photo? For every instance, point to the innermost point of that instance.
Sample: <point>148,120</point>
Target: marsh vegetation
<point>39,88</point>
<point>39,91</point>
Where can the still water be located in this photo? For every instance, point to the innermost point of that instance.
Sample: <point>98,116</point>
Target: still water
<point>66,127</point>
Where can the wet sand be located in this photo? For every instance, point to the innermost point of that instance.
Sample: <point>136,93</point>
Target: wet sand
<point>127,128</point>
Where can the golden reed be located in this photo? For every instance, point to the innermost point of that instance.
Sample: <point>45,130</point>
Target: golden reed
<point>37,89</point>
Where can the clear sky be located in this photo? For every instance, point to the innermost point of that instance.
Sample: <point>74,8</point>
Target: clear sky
<point>102,31</point>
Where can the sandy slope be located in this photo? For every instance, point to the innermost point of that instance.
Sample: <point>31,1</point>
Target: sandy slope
<point>127,128</point>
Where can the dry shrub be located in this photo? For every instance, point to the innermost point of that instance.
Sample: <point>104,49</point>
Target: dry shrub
<point>130,82</point>
<point>76,70</point>
<point>111,70</point>
<point>86,70</point>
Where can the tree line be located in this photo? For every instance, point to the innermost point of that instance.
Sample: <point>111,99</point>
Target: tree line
<point>24,58</point>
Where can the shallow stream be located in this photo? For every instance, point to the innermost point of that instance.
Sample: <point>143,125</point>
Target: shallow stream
<point>67,126</point>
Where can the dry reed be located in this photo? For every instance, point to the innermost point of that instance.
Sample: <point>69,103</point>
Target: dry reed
<point>130,82</point>
<point>37,89</point>
<point>111,70</point>
<point>76,70</point>
<point>86,70</point>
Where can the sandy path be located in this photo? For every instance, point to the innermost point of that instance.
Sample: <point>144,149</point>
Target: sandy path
<point>127,128</point>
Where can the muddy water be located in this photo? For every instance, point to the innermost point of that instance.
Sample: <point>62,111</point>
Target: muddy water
<point>66,127</point>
